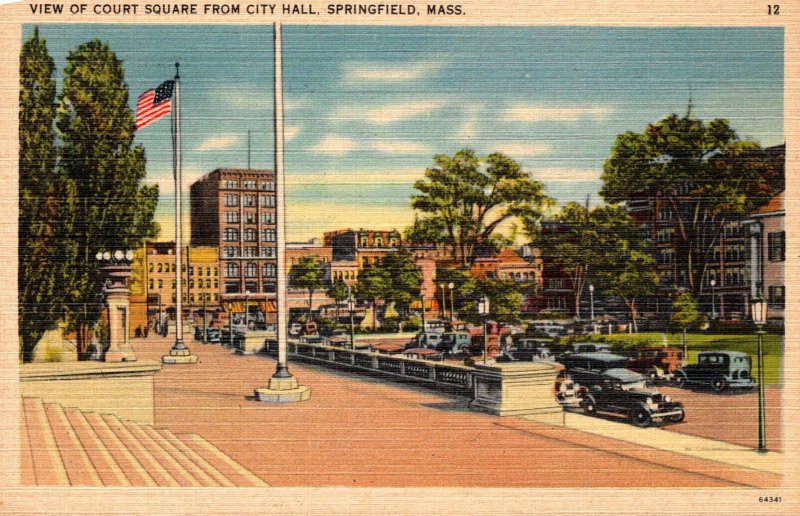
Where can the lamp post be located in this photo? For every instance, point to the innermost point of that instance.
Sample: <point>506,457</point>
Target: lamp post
<point>451,286</point>
<point>713,283</point>
<point>160,319</point>
<point>759,312</point>
<point>205,325</point>
<point>246,310</point>
<point>351,305</point>
<point>230,325</point>
<point>483,309</point>
<point>591,298</point>
<point>444,302</point>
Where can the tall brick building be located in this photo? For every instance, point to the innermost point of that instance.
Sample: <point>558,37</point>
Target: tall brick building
<point>234,210</point>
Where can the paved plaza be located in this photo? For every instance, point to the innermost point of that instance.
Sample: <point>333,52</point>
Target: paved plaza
<point>362,431</point>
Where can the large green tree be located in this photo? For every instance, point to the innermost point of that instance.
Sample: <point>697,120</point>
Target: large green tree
<point>404,279</point>
<point>700,172</point>
<point>338,292</point>
<point>373,284</point>
<point>114,210</point>
<point>46,201</point>
<point>306,274</point>
<point>464,199</point>
<point>505,299</point>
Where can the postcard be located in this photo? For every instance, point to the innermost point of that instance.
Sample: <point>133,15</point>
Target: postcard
<point>399,258</point>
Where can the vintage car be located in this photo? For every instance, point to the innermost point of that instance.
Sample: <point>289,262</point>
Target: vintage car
<point>656,362</point>
<point>340,338</point>
<point>717,370</point>
<point>429,339</point>
<point>591,347</point>
<point>585,368</point>
<point>568,394</point>
<point>454,343</point>
<point>621,391</point>
<point>533,350</point>
<point>549,329</point>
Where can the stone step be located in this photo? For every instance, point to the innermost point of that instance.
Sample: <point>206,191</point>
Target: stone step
<point>237,473</point>
<point>27,473</point>
<point>46,460</point>
<point>130,466</point>
<point>80,470</point>
<point>178,472</point>
<point>194,470</point>
<point>107,468</point>
<point>160,474</point>
<point>213,472</point>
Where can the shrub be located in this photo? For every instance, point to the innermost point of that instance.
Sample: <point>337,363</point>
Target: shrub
<point>390,326</point>
<point>412,324</point>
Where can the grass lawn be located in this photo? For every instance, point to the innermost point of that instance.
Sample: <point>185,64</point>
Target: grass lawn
<point>746,343</point>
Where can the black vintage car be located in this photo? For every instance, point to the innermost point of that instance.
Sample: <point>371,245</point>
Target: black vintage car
<point>585,368</point>
<point>621,391</point>
<point>717,370</point>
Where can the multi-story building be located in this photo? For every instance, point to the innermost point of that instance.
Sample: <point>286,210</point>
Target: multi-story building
<point>199,277</point>
<point>766,254</point>
<point>235,211</point>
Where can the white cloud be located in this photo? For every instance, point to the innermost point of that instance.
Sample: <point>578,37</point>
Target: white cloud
<point>382,72</point>
<point>221,142</point>
<point>538,113</point>
<point>355,177</point>
<point>243,97</point>
<point>400,147</point>
<point>290,132</point>
<point>469,128</point>
<point>392,113</point>
<point>335,145</point>
<point>565,175</point>
<point>521,150</point>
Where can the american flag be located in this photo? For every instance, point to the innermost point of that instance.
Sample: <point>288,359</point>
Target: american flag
<point>153,104</point>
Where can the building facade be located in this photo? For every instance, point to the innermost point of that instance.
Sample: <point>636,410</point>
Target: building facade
<point>767,255</point>
<point>235,211</point>
<point>200,277</point>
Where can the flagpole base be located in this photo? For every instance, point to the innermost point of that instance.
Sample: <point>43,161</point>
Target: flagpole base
<point>179,356</point>
<point>283,390</point>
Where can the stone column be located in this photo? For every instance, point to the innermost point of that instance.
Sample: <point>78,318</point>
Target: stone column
<point>117,269</point>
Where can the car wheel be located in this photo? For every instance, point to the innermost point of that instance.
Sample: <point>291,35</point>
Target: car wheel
<point>681,380</point>
<point>641,417</point>
<point>718,384</point>
<point>652,374</point>
<point>678,417</point>
<point>589,406</point>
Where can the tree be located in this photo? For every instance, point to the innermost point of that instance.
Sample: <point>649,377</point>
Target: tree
<point>114,210</point>
<point>306,274</point>
<point>505,299</point>
<point>404,278</point>
<point>463,285</point>
<point>46,200</point>
<point>701,174</point>
<point>338,292</point>
<point>623,264</point>
<point>373,284</point>
<point>464,199</point>
<point>685,314</point>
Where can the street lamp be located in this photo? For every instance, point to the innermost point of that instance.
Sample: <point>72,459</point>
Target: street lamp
<point>713,283</point>
<point>444,302</point>
<point>351,305</point>
<point>230,325</point>
<point>591,297</point>
<point>246,310</point>
<point>758,309</point>
<point>483,310</point>
<point>451,286</point>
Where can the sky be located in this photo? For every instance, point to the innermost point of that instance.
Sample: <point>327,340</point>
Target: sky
<point>367,107</point>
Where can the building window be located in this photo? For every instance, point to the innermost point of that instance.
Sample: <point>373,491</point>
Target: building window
<point>250,235</point>
<point>665,214</point>
<point>160,283</point>
<point>735,276</point>
<point>267,201</point>
<point>191,298</point>
<point>231,184</point>
<point>216,297</point>
<point>231,235</point>
<point>232,217</point>
<point>191,270</point>
<point>216,283</point>
<point>268,217</point>
<point>268,186</point>
<point>268,252</point>
<point>268,235</point>
<point>151,284</point>
<point>250,252</point>
<point>231,270</point>
<point>151,268</point>
<point>249,185</point>
<point>250,271</point>
<point>249,201</point>
<point>231,287</point>
<point>191,283</point>
<point>363,242</point>
<point>216,271</point>
<point>378,242</point>
<point>231,200</point>
<point>208,283</point>
<point>270,270</point>
<point>160,268</point>
<point>230,251</point>
<point>249,217</point>
<point>199,271</point>
<point>776,246</point>
<point>777,295</point>
<point>173,284</point>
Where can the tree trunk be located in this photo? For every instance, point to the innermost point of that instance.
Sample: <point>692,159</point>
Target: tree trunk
<point>310,303</point>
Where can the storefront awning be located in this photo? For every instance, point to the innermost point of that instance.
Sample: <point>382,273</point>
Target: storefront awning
<point>430,304</point>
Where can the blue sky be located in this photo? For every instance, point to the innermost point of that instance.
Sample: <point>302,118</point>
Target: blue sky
<point>368,107</point>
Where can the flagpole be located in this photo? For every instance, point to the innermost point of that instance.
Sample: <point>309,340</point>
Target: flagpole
<point>282,387</point>
<point>179,352</point>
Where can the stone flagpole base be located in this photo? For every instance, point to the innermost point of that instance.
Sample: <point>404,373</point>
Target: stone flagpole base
<point>283,390</point>
<point>179,356</point>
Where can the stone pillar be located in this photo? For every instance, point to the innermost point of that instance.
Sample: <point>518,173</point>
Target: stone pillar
<point>117,268</point>
<point>515,388</point>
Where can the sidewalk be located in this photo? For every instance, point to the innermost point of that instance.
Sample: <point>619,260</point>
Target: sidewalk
<point>663,439</point>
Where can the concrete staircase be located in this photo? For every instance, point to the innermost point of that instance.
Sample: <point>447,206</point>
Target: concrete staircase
<point>65,446</point>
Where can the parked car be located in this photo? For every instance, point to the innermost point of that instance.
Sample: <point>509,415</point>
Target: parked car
<point>656,362</point>
<point>568,394</point>
<point>718,370</point>
<point>428,339</point>
<point>528,349</point>
<point>621,391</point>
<point>454,343</point>
<point>590,347</point>
<point>339,337</point>
<point>549,329</point>
<point>586,369</point>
